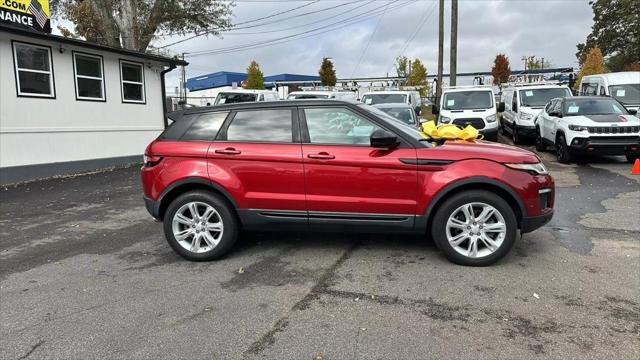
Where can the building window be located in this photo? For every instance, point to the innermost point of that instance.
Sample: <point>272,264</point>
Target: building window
<point>34,70</point>
<point>132,77</point>
<point>89,77</point>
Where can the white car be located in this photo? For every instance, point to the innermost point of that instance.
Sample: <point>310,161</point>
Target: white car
<point>245,95</point>
<point>522,103</point>
<point>624,86</point>
<point>588,125</point>
<point>338,95</point>
<point>411,98</point>
<point>473,106</point>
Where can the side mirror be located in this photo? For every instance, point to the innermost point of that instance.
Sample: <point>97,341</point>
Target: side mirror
<point>632,111</point>
<point>501,107</point>
<point>383,139</point>
<point>434,109</point>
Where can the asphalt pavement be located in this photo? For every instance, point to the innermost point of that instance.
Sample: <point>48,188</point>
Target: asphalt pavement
<point>86,273</point>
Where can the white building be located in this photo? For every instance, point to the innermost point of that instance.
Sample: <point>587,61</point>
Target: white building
<point>68,106</point>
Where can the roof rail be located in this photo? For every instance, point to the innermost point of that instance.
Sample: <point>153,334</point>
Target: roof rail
<point>467,86</point>
<point>518,84</point>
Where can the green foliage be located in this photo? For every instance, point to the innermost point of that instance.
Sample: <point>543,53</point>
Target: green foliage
<point>327,73</point>
<point>535,63</point>
<point>616,31</point>
<point>418,77</point>
<point>255,77</point>
<point>501,69</point>
<point>402,66</point>
<point>133,24</point>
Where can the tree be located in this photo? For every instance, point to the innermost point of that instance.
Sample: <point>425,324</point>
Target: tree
<point>255,77</point>
<point>402,66</point>
<point>327,73</point>
<point>535,63</point>
<point>501,69</point>
<point>616,31</point>
<point>418,77</point>
<point>593,64</point>
<point>133,24</point>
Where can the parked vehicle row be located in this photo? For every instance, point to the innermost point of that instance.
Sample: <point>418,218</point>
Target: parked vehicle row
<point>467,105</point>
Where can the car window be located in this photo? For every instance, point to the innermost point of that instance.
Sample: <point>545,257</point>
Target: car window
<point>549,106</point>
<point>372,99</point>
<point>338,126</point>
<point>557,105</point>
<point>628,94</point>
<point>205,127</point>
<point>539,97</point>
<point>231,98</point>
<point>604,106</point>
<point>177,128</point>
<point>589,88</point>
<point>514,100</point>
<point>261,126</point>
<point>405,115</point>
<point>467,100</point>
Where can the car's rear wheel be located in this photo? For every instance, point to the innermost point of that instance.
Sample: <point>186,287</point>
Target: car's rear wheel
<point>562,151</point>
<point>475,228</point>
<point>200,226</point>
<point>540,146</point>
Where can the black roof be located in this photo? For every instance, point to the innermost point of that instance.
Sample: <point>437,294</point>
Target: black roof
<point>44,36</point>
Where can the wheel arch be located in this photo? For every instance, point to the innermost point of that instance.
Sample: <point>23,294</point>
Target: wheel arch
<point>190,184</point>
<point>477,183</point>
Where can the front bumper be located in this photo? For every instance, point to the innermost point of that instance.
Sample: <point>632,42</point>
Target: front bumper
<point>534,222</point>
<point>606,145</point>
<point>489,133</point>
<point>525,131</point>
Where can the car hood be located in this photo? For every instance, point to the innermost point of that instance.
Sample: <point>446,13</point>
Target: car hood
<point>465,150</point>
<point>609,118</point>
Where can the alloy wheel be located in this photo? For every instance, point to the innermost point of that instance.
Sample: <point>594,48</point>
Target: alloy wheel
<point>197,227</point>
<point>476,230</point>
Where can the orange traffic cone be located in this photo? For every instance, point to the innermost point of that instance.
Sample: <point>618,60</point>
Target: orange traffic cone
<point>635,170</point>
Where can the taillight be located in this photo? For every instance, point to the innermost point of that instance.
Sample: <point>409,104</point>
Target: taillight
<point>150,160</point>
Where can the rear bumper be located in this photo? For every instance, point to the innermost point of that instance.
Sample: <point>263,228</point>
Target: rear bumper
<point>153,207</point>
<point>607,146</point>
<point>534,222</point>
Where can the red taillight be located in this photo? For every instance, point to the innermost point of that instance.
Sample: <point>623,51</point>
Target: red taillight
<point>150,160</point>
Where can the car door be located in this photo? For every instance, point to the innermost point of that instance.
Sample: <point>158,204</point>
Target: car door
<point>258,156</point>
<point>552,126</point>
<point>350,183</point>
<point>544,121</point>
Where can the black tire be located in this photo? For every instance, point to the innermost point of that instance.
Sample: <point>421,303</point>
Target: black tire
<point>227,216</point>
<point>514,135</point>
<point>502,125</point>
<point>447,209</point>
<point>562,151</point>
<point>540,145</point>
<point>632,158</point>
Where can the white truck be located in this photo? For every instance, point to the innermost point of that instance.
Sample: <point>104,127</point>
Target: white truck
<point>624,86</point>
<point>521,103</point>
<point>319,94</point>
<point>411,98</point>
<point>469,105</point>
<point>245,95</point>
<point>588,125</point>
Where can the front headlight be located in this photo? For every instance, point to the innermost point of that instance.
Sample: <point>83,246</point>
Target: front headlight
<point>535,169</point>
<point>444,120</point>
<point>525,116</point>
<point>577,128</point>
<point>492,118</point>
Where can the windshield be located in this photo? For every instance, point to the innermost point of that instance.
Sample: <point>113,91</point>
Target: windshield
<point>406,129</point>
<point>467,100</point>
<point>372,99</point>
<point>230,98</point>
<point>628,94</point>
<point>307,96</point>
<point>405,115</point>
<point>540,97</point>
<point>602,106</point>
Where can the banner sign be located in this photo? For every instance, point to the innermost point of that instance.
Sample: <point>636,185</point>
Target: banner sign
<point>33,14</point>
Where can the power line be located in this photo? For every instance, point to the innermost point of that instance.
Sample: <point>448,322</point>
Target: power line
<point>375,29</point>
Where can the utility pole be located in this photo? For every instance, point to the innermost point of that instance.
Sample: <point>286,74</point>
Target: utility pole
<point>183,85</point>
<point>453,57</point>
<point>440,50</point>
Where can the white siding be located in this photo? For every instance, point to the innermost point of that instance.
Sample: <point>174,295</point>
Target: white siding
<point>39,131</point>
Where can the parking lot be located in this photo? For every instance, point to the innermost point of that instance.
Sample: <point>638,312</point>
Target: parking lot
<point>86,273</point>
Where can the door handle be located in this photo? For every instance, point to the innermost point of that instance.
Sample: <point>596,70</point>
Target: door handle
<point>322,156</point>
<point>228,151</point>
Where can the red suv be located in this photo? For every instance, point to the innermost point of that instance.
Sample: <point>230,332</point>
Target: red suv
<point>325,165</point>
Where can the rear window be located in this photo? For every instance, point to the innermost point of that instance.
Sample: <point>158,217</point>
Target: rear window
<point>261,126</point>
<point>231,98</point>
<point>372,99</point>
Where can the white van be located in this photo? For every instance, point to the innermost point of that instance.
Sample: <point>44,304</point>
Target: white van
<point>411,98</point>
<point>520,105</point>
<point>624,86</point>
<point>473,106</point>
<point>339,95</point>
<point>245,95</point>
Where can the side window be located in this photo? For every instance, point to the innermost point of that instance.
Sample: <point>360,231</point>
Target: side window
<point>602,91</point>
<point>549,106</point>
<point>132,82</point>
<point>34,70</point>
<point>514,101</point>
<point>89,77</point>
<point>557,106</point>
<point>589,89</point>
<point>338,126</point>
<point>205,127</point>
<point>261,126</point>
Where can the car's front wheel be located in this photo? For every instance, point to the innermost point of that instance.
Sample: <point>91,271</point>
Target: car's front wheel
<point>200,226</point>
<point>562,151</point>
<point>540,146</point>
<point>475,228</point>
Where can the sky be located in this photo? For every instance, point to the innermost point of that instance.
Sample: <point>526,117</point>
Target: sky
<point>367,45</point>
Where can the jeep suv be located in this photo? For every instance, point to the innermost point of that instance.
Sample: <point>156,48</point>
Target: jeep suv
<point>327,165</point>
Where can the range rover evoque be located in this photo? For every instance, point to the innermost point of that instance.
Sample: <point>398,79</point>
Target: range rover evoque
<point>326,165</point>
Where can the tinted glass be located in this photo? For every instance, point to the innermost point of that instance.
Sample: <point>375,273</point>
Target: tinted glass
<point>177,128</point>
<point>628,94</point>
<point>467,100</point>
<point>205,127</point>
<point>230,98</point>
<point>261,126</point>
<point>34,83</point>
<point>373,99</point>
<point>405,115</point>
<point>539,97</point>
<point>132,91</point>
<point>338,126</point>
<point>89,88</point>
<point>88,66</point>
<point>131,72</point>
<point>602,106</point>
<point>307,96</point>
<point>33,58</point>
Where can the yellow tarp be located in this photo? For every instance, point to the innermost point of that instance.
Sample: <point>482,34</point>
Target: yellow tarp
<point>449,132</point>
